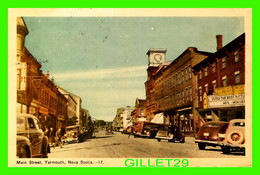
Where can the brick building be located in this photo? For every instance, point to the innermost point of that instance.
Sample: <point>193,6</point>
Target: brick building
<point>36,93</point>
<point>221,79</point>
<point>175,89</point>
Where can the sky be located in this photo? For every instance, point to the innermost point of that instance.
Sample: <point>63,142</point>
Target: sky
<point>103,59</point>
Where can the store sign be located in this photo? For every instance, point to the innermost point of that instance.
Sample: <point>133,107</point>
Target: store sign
<point>216,101</point>
<point>237,89</point>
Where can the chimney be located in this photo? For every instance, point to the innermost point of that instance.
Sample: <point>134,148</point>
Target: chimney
<point>219,42</point>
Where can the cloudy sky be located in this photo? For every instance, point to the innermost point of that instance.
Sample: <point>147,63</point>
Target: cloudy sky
<point>103,59</point>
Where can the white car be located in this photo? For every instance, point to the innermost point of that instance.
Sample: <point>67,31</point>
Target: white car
<point>234,136</point>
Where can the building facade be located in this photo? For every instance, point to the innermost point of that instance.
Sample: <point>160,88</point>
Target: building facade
<point>174,86</point>
<point>36,93</point>
<point>221,80</point>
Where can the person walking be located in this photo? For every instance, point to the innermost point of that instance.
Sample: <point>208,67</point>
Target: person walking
<point>131,131</point>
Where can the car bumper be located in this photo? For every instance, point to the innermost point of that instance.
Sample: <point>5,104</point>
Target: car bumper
<point>164,138</point>
<point>208,142</point>
<point>242,146</point>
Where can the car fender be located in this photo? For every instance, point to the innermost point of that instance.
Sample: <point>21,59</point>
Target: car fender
<point>23,142</point>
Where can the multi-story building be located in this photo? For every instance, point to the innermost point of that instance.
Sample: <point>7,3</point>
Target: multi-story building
<point>84,117</point>
<point>36,93</point>
<point>118,120</point>
<point>153,65</point>
<point>174,86</point>
<point>139,111</point>
<point>126,116</point>
<point>221,79</point>
<point>74,107</point>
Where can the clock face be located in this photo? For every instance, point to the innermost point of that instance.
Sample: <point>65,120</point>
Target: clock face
<point>158,57</point>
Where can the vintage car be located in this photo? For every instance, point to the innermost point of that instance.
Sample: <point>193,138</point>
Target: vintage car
<point>30,139</point>
<point>169,133</point>
<point>127,130</point>
<point>73,134</point>
<point>210,134</point>
<point>234,139</point>
<point>109,130</point>
<point>146,129</point>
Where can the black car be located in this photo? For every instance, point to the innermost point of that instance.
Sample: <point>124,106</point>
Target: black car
<point>30,139</point>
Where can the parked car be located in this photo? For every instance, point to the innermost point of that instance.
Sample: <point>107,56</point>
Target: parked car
<point>146,129</point>
<point>73,134</point>
<point>109,130</point>
<point>169,133</point>
<point>127,130</point>
<point>30,138</point>
<point>211,133</point>
<point>234,137</point>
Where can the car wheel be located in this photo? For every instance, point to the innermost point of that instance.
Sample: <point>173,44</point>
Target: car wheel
<point>235,137</point>
<point>202,146</point>
<point>225,149</point>
<point>158,140</point>
<point>182,140</point>
<point>45,151</point>
<point>23,153</point>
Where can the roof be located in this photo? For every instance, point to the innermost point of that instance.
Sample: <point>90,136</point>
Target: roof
<point>220,52</point>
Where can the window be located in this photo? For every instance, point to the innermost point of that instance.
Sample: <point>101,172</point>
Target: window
<point>18,78</point>
<point>142,112</point>
<point>236,54</point>
<point>214,83</point>
<point>182,96</point>
<point>186,73</point>
<point>214,67</point>
<point>176,77</point>
<point>224,59</point>
<point>224,81</point>
<point>206,71</point>
<point>189,71</point>
<point>173,81</point>
<point>182,75</point>
<point>31,123</point>
<point>190,93</point>
<point>186,94</point>
<point>200,74</point>
<point>237,77</point>
<point>179,77</point>
<point>200,93</point>
<point>206,88</point>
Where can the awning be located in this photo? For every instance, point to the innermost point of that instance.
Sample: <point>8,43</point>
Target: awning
<point>184,109</point>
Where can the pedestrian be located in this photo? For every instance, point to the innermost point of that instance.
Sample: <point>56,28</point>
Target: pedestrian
<point>58,137</point>
<point>51,137</point>
<point>131,131</point>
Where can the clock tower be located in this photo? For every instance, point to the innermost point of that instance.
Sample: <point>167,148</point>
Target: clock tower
<point>156,57</point>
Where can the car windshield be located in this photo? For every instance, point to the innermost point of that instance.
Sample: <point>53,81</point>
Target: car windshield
<point>20,124</point>
<point>211,125</point>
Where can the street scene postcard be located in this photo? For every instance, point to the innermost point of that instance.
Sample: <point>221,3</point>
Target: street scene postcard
<point>130,87</point>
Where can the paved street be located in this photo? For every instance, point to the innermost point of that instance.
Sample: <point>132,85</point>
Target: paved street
<point>118,145</point>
